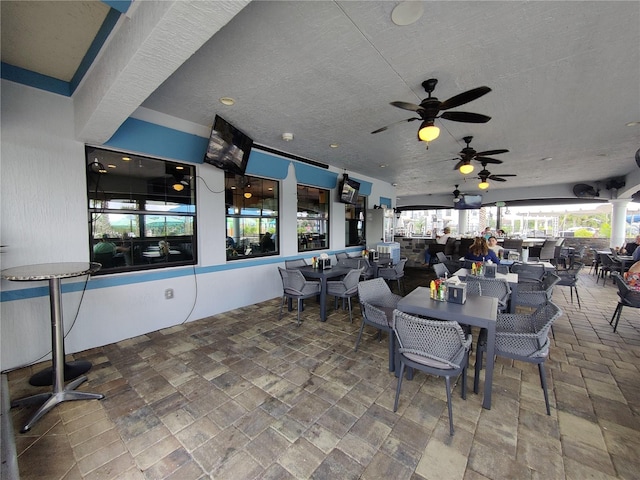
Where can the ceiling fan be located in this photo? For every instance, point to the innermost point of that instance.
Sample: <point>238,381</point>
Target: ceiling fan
<point>456,195</point>
<point>430,107</point>
<point>485,175</point>
<point>467,154</point>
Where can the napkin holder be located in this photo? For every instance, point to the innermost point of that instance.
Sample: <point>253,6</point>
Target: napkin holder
<point>324,263</point>
<point>373,256</point>
<point>457,293</point>
<point>490,270</point>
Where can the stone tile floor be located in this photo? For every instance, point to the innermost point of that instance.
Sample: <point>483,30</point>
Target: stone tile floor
<point>242,395</point>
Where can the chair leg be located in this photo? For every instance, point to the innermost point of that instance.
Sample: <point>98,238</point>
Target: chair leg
<point>349,302</point>
<point>615,326</point>
<point>299,301</point>
<point>464,379</point>
<point>577,297</point>
<point>395,405</point>
<point>449,405</point>
<point>615,312</point>
<point>284,299</point>
<point>391,352</point>
<point>543,382</point>
<point>359,335</point>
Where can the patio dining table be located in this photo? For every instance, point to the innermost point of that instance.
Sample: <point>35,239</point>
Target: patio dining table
<point>476,311</point>
<point>323,275</point>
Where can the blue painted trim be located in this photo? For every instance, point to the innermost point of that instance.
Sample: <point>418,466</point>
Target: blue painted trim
<point>33,79</point>
<point>365,187</point>
<point>139,136</point>
<point>108,281</point>
<point>317,177</point>
<point>107,26</point>
<point>120,5</point>
<point>265,165</point>
<point>385,201</point>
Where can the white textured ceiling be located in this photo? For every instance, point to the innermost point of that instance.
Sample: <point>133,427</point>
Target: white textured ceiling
<point>565,79</point>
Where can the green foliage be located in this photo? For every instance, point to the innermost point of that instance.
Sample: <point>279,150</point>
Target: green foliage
<point>583,232</point>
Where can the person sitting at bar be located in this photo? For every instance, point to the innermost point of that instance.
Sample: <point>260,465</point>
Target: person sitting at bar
<point>479,252</point>
<point>630,248</point>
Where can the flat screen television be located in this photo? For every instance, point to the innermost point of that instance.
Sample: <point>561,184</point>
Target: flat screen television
<point>228,147</point>
<point>468,202</point>
<point>349,190</point>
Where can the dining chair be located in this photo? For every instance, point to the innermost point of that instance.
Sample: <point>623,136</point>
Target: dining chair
<point>296,287</point>
<point>595,261</point>
<point>441,270</point>
<point>523,337</point>
<point>433,346</point>
<point>537,294</point>
<point>298,262</point>
<point>341,256</point>
<point>378,302</point>
<point>394,272</point>
<point>627,297</point>
<point>607,265</point>
<point>569,278</point>
<point>345,288</point>
<point>491,287</point>
<point>528,272</point>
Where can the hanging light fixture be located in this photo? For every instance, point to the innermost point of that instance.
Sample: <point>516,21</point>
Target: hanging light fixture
<point>247,195</point>
<point>428,131</point>
<point>483,185</point>
<point>97,167</point>
<point>466,168</point>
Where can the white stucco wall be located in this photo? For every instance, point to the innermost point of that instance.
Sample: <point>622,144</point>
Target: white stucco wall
<point>43,218</point>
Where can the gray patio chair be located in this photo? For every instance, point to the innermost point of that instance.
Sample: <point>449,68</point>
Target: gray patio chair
<point>627,297</point>
<point>298,262</point>
<point>491,287</point>
<point>378,303</point>
<point>345,288</point>
<point>569,278</point>
<point>296,287</point>
<point>607,265</point>
<point>341,256</point>
<point>395,272</point>
<point>441,270</point>
<point>432,346</point>
<point>537,294</point>
<point>521,337</point>
<point>528,272</point>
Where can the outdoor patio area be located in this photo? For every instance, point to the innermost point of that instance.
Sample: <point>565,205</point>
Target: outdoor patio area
<point>242,395</point>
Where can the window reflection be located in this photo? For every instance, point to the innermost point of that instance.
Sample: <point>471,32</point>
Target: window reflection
<point>251,216</point>
<point>312,218</point>
<point>141,212</point>
<point>354,217</point>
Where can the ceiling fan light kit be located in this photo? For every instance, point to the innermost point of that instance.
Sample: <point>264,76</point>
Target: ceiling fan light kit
<point>466,168</point>
<point>428,132</point>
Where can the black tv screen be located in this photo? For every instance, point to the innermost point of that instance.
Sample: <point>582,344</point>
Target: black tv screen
<point>468,202</point>
<point>228,147</point>
<point>349,190</point>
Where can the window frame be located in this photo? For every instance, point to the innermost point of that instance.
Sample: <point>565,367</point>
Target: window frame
<point>322,235</point>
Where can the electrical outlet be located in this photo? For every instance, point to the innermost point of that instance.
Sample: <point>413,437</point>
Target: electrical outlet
<point>168,293</point>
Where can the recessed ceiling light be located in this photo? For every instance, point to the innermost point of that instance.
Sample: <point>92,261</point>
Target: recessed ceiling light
<point>632,124</point>
<point>126,159</point>
<point>179,167</point>
<point>334,145</point>
<point>227,101</point>
<point>406,13</point>
<point>287,137</point>
<point>546,159</point>
<point>382,165</point>
<point>233,187</point>
<point>111,165</point>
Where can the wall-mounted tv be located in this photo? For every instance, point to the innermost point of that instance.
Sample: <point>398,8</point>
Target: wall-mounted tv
<point>228,147</point>
<point>349,190</point>
<point>468,202</point>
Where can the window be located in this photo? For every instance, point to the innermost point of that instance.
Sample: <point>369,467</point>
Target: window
<point>142,211</point>
<point>252,216</point>
<point>313,218</point>
<point>354,218</point>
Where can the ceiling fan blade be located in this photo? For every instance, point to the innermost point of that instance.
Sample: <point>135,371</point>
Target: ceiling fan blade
<point>492,152</point>
<point>464,97</point>
<point>487,160</point>
<point>407,106</point>
<point>497,179</point>
<point>465,117</point>
<point>395,123</point>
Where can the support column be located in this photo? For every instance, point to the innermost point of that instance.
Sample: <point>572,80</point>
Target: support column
<point>618,222</point>
<point>463,222</point>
